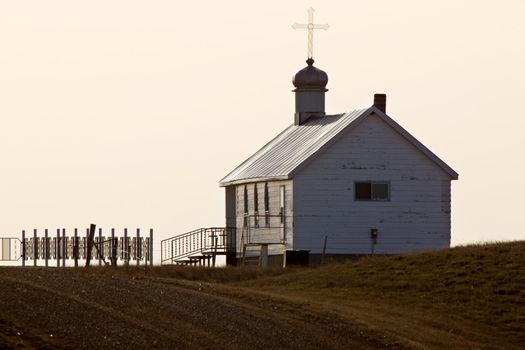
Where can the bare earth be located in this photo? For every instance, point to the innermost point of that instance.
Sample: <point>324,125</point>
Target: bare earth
<point>75,308</point>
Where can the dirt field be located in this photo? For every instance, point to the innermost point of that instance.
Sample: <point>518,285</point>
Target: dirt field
<point>462,298</point>
<point>68,308</point>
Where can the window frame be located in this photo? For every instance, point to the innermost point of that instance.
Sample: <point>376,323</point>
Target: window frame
<point>372,199</point>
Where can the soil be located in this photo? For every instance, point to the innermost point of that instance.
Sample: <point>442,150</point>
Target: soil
<point>83,308</point>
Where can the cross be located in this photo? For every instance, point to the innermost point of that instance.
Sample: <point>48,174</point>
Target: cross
<point>310,26</point>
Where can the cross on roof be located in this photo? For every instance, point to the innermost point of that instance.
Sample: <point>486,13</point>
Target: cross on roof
<point>310,26</point>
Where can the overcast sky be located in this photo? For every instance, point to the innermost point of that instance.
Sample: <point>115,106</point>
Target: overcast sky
<point>128,113</point>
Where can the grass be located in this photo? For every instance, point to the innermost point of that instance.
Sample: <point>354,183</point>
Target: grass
<point>473,289</point>
<point>464,297</point>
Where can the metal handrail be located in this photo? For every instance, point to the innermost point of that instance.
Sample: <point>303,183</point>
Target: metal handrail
<point>196,242</point>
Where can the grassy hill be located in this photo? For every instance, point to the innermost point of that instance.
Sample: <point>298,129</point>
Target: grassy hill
<point>460,298</point>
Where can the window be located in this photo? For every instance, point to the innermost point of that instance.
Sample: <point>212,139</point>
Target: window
<point>266,205</point>
<point>281,203</point>
<point>245,205</point>
<point>372,191</point>
<point>256,205</point>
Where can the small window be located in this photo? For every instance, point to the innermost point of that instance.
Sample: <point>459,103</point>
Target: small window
<point>245,200</point>
<point>372,191</point>
<point>245,205</point>
<point>281,203</point>
<point>256,205</point>
<point>266,205</point>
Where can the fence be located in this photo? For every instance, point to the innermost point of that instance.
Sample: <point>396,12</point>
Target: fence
<point>60,248</point>
<point>10,249</point>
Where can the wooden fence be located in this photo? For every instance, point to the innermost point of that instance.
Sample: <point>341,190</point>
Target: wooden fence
<point>61,246</point>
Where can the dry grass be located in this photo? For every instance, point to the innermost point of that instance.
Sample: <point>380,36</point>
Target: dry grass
<point>473,291</point>
<point>201,274</point>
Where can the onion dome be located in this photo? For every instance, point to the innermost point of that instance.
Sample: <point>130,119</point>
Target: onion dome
<point>310,78</point>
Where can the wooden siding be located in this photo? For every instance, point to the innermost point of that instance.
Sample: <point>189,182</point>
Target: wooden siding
<point>263,234</point>
<point>417,216</point>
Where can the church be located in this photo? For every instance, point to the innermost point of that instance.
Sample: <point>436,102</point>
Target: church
<point>334,186</point>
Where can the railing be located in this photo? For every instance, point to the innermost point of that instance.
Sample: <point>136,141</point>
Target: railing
<point>197,242</point>
<point>264,228</point>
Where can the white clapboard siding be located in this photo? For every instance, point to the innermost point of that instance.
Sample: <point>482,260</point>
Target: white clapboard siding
<point>417,217</point>
<point>274,234</point>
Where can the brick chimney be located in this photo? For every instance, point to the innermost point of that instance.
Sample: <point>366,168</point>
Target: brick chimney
<point>380,102</point>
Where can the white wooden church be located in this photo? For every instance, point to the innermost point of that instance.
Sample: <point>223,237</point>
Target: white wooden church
<point>347,184</point>
<point>329,186</point>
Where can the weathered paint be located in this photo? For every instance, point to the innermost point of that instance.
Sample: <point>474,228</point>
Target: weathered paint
<point>276,232</point>
<point>417,216</point>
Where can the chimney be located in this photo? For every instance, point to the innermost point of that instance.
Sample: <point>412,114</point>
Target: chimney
<point>380,102</point>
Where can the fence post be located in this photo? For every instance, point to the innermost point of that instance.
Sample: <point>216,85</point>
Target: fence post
<point>92,229</point>
<point>125,247</point>
<point>64,247</point>
<point>75,248</point>
<point>150,247</point>
<point>57,248</point>
<point>243,254</point>
<point>86,243</point>
<point>113,248</point>
<point>35,248</point>
<point>46,248</point>
<point>324,250</point>
<point>99,250</point>
<point>137,247</point>
<point>23,247</point>
<point>215,250</point>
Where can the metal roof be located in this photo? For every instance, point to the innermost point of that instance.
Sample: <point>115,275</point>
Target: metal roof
<point>279,157</point>
<point>287,153</point>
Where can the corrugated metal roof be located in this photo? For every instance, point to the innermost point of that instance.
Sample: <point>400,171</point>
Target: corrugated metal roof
<point>279,157</point>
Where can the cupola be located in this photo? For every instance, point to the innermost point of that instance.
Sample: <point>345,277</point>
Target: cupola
<point>310,87</point>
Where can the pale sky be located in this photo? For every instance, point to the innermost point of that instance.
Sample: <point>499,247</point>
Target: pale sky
<point>128,113</point>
